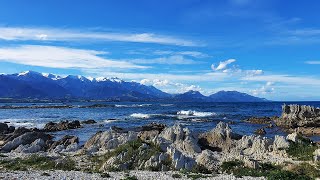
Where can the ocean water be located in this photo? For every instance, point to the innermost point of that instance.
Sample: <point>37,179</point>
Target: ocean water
<point>197,116</point>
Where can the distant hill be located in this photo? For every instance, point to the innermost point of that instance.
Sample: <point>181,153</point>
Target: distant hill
<point>234,96</point>
<point>34,85</point>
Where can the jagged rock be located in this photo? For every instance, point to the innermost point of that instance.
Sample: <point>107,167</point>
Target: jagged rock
<point>149,127</point>
<point>156,161</point>
<point>90,121</point>
<point>209,160</point>
<point>64,141</point>
<point>260,131</point>
<point>294,116</point>
<point>180,160</point>
<point>35,146</point>
<point>181,138</point>
<point>280,143</point>
<point>108,140</point>
<point>63,125</point>
<point>218,139</point>
<point>253,145</point>
<point>250,163</point>
<point>293,137</point>
<point>3,128</point>
<point>260,120</point>
<point>16,133</point>
<point>147,136</point>
<point>316,154</point>
<point>24,139</point>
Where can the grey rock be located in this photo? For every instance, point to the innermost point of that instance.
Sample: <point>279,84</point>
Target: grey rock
<point>108,140</point>
<point>34,147</point>
<point>24,139</point>
<point>299,116</point>
<point>293,137</point>
<point>63,125</point>
<point>280,142</point>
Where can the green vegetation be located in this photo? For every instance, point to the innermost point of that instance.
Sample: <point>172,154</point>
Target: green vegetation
<point>200,169</point>
<point>128,177</point>
<point>197,176</point>
<point>302,149</point>
<point>269,171</point>
<point>176,176</point>
<point>105,175</point>
<point>131,155</point>
<point>37,162</point>
<point>308,170</point>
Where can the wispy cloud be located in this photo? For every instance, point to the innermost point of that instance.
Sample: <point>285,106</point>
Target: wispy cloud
<point>170,86</point>
<point>56,34</point>
<point>222,65</point>
<point>287,79</point>
<point>265,89</point>
<point>61,57</point>
<point>312,62</point>
<point>195,54</point>
<point>175,59</point>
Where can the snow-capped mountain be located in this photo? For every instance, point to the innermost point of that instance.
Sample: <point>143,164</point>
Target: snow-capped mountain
<point>34,85</point>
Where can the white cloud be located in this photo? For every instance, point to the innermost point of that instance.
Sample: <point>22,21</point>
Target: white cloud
<point>195,54</point>
<point>56,34</point>
<point>189,88</point>
<point>222,65</point>
<point>265,89</point>
<point>169,86</point>
<point>287,79</point>
<point>312,62</point>
<point>176,59</point>
<point>60,57</point>
<point>155,82</point>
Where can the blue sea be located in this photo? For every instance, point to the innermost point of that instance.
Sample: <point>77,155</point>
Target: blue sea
<point>197,116</point>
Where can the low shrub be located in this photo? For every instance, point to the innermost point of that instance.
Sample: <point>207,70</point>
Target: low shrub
<point>302,149</point>
<point>267,170</point>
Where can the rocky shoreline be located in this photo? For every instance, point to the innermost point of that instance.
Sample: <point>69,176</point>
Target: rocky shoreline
<point>156,151</point>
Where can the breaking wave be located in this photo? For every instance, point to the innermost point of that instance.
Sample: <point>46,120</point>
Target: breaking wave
<point>133,105</point>
<point>140,116</point>
<point>191,113</point>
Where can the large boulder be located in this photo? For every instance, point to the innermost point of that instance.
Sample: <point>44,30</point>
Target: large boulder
<point>3,128</point>
<point>209,159</point>
<point>35,146</point>
<point>108,140</point>
<point>180,160</point>
<point>89,121</point>
<point>63,125</point>
<point>64,142</point>
<point>280,143</point>
<point>181,138</point>
<point>316,154</point>
<point>218,139</point>
<point>26,138</point>
<point>292,137</point>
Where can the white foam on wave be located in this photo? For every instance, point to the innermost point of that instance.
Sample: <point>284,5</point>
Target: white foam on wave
<point>166,105</point>
<point>111,120</point>
<point>133,105</point>
<point>190,113</point>
<point>28,123</point>
<point>140,115</point>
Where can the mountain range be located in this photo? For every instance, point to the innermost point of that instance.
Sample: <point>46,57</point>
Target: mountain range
<point>34,85</point>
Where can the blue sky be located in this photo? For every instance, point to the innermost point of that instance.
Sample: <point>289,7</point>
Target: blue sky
<point>266,48</point>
